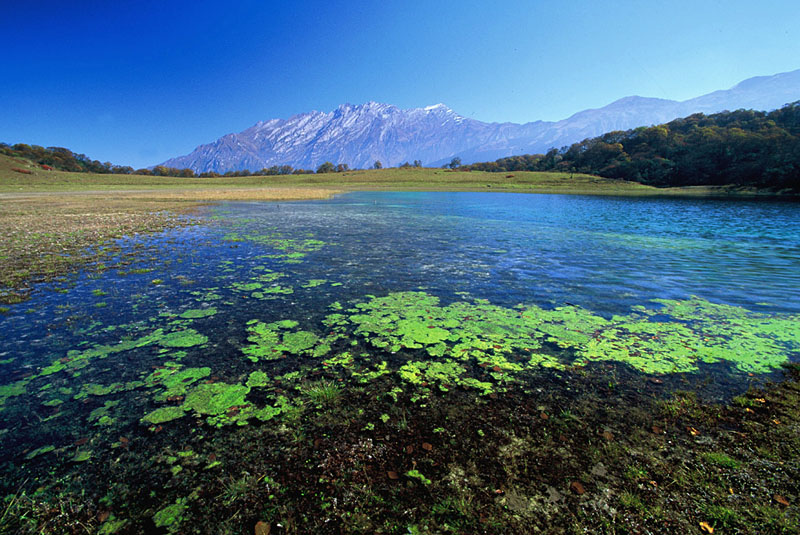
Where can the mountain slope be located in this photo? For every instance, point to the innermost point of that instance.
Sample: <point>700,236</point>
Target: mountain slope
<point>358,135</point>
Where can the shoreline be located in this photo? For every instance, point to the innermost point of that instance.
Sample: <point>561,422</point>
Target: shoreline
<point>50,219</point>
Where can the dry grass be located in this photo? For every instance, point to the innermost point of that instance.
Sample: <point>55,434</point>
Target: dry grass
<point>45,235</point>
<point>235,194</point>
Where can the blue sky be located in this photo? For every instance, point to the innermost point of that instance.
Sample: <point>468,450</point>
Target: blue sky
<point>136,83</point>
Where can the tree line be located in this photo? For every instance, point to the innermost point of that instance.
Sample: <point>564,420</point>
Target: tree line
<point>743,148</point>
<point>66,160</point>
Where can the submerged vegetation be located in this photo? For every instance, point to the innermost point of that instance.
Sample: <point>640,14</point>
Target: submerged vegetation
<point>454,409</point>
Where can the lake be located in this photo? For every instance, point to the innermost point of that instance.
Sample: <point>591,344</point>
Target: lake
<point>149,378</point>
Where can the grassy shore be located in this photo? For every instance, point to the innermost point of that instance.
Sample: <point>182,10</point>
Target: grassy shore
<point>409,179</point>
<point>52,223</point>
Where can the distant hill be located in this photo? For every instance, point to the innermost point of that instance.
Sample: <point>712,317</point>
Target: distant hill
<point>743,148</point>
<point>358,135</point>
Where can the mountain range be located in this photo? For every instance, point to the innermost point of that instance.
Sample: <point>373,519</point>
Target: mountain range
<point>358,135</point>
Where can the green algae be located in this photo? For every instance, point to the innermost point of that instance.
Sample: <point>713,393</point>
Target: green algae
<point>185,338</point>
<point>419,476</point>
<point>284,290</point>
<point>175,380</point>
<point>445,375</point>
<point>313,283</point>
<point>298,341</point>
<point>163,415</point>
<point>480,346</point>
<point>171,515</point>
<point>101,416</point>
<point>78,359</point>
<point>344,360</point>
<point>215,398</point>
<point>269,343</point>
<point>12,390</point>
<point>700,332</point>
<point>291,250</point>
<point>284,324</point>
<point>220,403</point>
<point>39,451</point>
<point>270,292</point>
<point>81,456</point>
<point>112,525</point>
<point>247,287</point>
<point>380,369</point>
<point>271,276</point>
<point>94,389</point>
<point>427,348</point>
<point>265,340</point>
<point>697,331</point>
<point>209,294</point>
<point>257,378</point>
<point>197,313</point>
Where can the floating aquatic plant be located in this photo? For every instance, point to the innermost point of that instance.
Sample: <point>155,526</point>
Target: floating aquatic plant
<point>196,313</point>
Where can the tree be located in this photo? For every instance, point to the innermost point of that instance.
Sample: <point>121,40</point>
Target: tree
<point>326,167</point>
<point>455,163</point>
<point>342,167</point>
<point>417,163</point>
<point>377,165</point>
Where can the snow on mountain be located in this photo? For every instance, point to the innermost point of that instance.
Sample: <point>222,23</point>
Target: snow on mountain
<point>358,135</point>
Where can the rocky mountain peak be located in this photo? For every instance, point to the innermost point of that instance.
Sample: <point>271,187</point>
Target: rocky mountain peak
<point>359,134</point>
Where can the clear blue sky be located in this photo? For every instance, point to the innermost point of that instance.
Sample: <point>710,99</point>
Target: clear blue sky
<point>135,83</point>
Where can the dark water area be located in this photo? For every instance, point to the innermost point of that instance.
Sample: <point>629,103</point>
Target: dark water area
<point>371,278</point>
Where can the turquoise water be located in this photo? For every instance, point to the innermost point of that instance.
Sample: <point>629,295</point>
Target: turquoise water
<point>604,254</point>
<point>607,252</point>
<point>78,358</point>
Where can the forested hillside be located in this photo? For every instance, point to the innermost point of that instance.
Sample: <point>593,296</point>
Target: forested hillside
<point>61,159</point>
<point>743,148</point>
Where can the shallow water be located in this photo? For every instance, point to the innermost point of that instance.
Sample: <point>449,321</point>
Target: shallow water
<point>78,359</point>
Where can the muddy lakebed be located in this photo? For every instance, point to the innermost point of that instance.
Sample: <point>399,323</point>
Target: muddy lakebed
<point>398,363</point>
